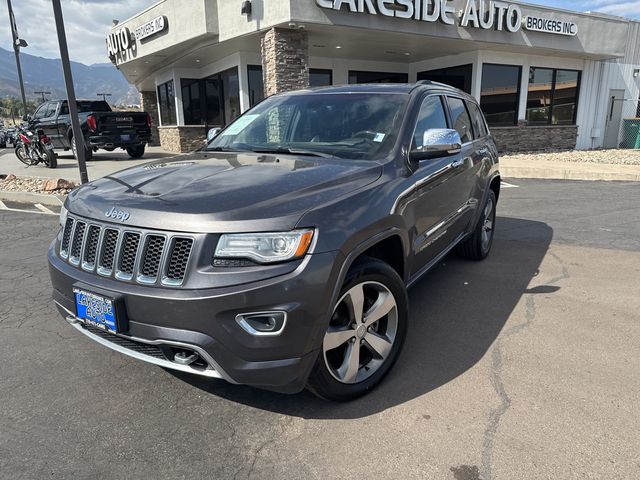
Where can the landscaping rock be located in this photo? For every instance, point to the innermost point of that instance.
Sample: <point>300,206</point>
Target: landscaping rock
<point>53,184</point>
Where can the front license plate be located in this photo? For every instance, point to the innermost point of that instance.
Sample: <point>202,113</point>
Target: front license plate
<point>125,138</point>
<point>95,310</point>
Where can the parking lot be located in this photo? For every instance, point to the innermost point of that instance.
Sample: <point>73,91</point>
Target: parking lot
<point>522,366</point>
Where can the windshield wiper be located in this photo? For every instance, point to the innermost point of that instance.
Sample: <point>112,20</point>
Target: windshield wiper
<point>292,151</point>
<point>224,149</point>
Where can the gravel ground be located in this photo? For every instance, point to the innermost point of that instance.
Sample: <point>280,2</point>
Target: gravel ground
<point>13,183</point>
<point>620,157</point>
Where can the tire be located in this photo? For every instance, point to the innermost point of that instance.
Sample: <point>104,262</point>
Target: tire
<point>88,154</point>
<point>51,160</point>
<point>22,155</point>
<point>332,377</point>
<point>478,245</point>
<point>136,151</point>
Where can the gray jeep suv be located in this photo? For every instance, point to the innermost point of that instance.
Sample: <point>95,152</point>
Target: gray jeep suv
<point>279,255</point>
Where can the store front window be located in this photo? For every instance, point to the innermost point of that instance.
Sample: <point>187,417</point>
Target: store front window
<point>500,94</point>
<point>553,96</point>
<point>377,77</point>
<point>256,84</point>
<point>213,101</point>
<point>167,103</point>
<point>458,77</point>
<point>319,77</point>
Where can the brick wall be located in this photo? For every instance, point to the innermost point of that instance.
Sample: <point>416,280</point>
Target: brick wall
<point>182,139</point>
<point>535,139</point>
<point>150,105</point>
<point>285,60</point>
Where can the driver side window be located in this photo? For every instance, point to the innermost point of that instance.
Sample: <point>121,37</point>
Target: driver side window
<point>431,116</point>
<point>40,111</point>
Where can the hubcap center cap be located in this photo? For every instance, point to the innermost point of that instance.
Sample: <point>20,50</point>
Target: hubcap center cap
<point>361,331</point>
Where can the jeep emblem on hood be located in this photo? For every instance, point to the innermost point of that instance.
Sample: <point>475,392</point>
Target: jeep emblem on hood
<point>117,214</point>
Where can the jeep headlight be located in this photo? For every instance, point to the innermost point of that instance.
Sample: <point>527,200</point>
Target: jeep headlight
<point>265,247</point>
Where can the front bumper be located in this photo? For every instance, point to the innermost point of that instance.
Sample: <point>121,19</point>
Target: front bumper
<point>165,321</point>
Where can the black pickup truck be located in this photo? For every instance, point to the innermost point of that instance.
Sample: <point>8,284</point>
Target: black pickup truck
<point>102,127</point>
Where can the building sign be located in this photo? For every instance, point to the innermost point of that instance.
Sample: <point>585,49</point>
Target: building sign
<point>150,28</point>
<point>119,42</point>
<point>550,25</point>
<point>483,14</point>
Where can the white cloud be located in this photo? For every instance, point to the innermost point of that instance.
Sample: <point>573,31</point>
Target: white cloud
<point>87,23</point>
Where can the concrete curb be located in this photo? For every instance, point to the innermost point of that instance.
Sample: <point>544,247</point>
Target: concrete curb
<point>32,197</point>
<point>572,171</point>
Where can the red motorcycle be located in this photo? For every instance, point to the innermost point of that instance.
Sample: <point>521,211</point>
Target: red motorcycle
<point>32,149</point>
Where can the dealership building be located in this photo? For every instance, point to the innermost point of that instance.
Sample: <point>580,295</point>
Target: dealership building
<point>545,78</point>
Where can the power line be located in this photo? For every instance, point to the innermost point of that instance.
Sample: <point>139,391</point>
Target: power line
<point>104,96</point>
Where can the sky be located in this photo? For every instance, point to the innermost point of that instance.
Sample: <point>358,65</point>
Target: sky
<point>88,22</point>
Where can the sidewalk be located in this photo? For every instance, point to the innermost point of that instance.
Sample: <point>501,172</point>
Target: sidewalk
<point>548,169</point>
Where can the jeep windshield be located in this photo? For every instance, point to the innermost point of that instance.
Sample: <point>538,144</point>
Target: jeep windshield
<point>346,125</point>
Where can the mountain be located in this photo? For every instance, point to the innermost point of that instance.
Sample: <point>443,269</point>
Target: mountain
<point>45,74</point>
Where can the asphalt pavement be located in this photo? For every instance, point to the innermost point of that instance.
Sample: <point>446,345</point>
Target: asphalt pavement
<point>524,366</point>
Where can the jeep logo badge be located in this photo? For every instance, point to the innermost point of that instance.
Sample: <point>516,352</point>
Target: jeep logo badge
<point>117,214</point>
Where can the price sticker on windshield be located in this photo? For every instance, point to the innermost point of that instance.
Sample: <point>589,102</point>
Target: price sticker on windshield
<point>239,125</point>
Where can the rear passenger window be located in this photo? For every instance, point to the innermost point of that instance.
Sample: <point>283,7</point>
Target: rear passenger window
<point>479,125</point>
<point>431,116</point>
<point>460,119</point>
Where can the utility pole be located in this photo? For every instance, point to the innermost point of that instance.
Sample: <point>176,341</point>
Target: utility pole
<point>104,96</point>
<point>78,137</point>
<point>17,43</point>
<point>43,94</point>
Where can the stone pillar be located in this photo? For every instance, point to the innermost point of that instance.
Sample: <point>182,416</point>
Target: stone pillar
<point>285,60</point>
<point>150,105</point>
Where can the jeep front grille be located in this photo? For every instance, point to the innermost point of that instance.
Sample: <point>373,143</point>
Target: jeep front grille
<point>127,254</point>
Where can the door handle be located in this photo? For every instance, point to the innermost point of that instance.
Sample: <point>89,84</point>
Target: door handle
<point>457,163</point>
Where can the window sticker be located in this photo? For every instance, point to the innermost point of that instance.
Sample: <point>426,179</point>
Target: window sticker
<point>379,137</point>
<point>240,124</point>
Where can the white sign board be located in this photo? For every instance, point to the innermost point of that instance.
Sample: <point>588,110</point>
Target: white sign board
<point>150,28</point>
<point>483,14</point>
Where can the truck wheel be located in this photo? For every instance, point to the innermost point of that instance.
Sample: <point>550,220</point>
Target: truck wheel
<point>365,334</point>
<point>88,154</point>
<point>136,151</point>
<point>478,245</point>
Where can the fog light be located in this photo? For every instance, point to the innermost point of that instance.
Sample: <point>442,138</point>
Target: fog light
<point>262,323</point>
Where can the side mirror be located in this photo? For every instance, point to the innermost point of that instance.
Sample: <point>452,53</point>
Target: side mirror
<point>436,143</point>
<point>211,134</point>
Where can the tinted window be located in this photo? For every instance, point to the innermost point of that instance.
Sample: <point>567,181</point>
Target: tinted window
<point>256,84</point>
<point>431,116</point>
<point>167,102</point>
<point>50,111</point>
<point>479,126</point>
<point>377,77</point>
<point>191,101</point>
<point>460,120</point>
<point>553,96</point>
<point>213,101</point>
<point>458,77</point>
<point>320,77</point>
<point>500,93</point>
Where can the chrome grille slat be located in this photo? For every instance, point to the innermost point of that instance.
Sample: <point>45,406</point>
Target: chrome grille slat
<point>126,254</point>
<point>178,261</point>
<point>108,251</point>
<point>66,237</point>
<point>91,247</point>
<point>151,258</point>
<point>76,243</point>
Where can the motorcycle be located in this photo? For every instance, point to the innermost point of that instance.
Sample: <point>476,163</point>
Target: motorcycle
<point>32,149</point>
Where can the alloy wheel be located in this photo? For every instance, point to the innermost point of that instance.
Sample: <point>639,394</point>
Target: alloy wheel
<point>487,225</point>
<point>361,332</point>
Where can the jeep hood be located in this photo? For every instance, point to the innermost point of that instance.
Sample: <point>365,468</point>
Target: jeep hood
<point>222,192</point>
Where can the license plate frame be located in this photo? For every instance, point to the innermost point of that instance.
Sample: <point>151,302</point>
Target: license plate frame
<point>100,309</point>
<point>125,138</point>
